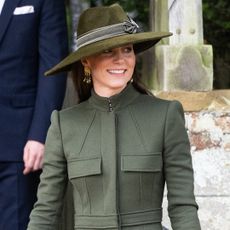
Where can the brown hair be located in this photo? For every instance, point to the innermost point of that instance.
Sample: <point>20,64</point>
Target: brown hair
<point>84,90</point>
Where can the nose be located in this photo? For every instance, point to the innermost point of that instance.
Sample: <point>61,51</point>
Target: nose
<point>118,55</point>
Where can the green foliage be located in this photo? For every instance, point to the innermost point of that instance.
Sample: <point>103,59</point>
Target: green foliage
<point>216,15</point>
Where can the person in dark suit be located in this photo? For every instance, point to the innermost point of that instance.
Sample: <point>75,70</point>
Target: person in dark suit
<point>33,37</point>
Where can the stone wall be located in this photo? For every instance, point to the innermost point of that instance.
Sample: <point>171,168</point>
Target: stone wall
<point>207,118</point>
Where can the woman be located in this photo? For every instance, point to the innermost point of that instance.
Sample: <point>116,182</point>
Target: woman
<point>120,145</point>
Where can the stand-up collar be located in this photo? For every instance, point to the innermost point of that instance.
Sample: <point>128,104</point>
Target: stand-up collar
<point>116,102</point>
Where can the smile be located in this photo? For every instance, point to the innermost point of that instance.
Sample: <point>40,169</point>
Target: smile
<point>117,71</point>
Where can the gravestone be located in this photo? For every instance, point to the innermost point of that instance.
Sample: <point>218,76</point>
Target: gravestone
<point>185,63</point>
<point>185,21</point>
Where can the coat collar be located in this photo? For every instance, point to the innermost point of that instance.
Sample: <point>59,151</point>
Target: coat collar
<point>6,15</point>
<point>115,102</point>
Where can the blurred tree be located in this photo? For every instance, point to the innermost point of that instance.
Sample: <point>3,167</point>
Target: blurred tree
<point>216,16</point>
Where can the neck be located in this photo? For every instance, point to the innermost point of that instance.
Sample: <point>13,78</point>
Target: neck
<point>104,92</point>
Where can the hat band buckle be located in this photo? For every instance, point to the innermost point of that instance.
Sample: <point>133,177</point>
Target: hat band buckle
<point>105,32</point>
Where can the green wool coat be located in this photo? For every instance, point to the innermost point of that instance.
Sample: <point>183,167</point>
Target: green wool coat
<point>118,153</point>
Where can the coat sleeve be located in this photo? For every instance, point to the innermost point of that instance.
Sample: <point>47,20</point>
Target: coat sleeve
<point>182,206</point>
<point>46,213</point>
<point>52,47</point>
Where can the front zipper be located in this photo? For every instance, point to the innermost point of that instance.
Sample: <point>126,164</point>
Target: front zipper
<point>117,173</point>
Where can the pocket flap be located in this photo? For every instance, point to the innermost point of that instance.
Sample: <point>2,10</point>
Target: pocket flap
<point>84,167</point>
<point>145,163</point>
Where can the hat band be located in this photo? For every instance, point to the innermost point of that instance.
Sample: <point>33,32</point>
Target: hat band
<point>105,32</point>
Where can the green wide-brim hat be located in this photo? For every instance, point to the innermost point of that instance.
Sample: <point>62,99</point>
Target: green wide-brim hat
<point>106,27</point>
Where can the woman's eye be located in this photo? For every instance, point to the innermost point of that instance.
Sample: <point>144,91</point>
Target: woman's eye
<point>128,49</point>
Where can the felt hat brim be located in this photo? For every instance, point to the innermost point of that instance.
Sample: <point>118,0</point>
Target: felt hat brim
<point>141,42</point>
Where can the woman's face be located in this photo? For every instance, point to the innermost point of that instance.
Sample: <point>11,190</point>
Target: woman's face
<point>111,70</point>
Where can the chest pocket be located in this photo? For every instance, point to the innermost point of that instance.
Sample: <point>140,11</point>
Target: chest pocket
<point>85,177</point>
<point>143,174</point>
<point>149,162</point>
<point>78,168</point>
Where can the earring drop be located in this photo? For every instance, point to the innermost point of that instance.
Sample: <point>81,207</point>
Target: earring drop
<point>87,77</point>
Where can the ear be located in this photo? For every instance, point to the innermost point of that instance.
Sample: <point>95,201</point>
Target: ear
<point>85,62</point>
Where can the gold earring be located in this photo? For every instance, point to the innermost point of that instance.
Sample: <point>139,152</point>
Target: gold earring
<point>87,77</point>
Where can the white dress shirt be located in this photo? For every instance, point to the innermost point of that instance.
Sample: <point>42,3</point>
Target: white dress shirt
<point>1,5</point>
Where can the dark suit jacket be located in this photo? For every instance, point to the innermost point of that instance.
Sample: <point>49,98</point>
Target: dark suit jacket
<point>33,38</point>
